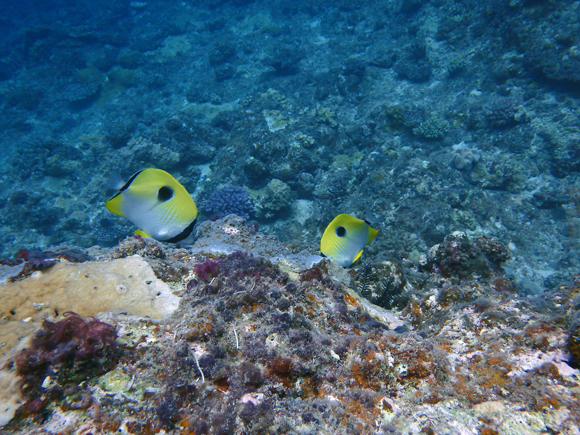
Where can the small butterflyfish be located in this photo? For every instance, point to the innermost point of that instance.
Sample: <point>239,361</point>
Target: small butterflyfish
<point>157,204</point>
<point>345,237</point>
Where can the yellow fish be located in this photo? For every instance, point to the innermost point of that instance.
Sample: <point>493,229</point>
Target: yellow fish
<point>345,237</point>
<point>156,203</point>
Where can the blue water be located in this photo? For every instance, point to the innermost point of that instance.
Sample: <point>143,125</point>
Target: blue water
<point>441,116</point>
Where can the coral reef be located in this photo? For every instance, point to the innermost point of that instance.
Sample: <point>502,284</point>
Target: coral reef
<point>229,200</point>
<point>383,284</point>
<point>414,65</point>
<point>434,127</point>
<point>285,61</point>
<point>233,233</point>
<point>574,345</point>
<point>459,257</point>
<point>277,199</point>
<point>502,113</point>
<point>318,108</point>
<point>464,158</point>
<point>252,348</point>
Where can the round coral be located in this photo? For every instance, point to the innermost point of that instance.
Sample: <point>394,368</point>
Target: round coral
<point>230,200</point>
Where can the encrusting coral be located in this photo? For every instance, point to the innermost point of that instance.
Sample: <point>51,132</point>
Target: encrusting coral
<point>122,285</point>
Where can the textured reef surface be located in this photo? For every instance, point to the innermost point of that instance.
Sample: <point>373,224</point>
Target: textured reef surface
<point>249,344</point>
<point>457,122</point>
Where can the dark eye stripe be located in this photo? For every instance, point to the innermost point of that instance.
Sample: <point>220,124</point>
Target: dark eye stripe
<point>340,231</point>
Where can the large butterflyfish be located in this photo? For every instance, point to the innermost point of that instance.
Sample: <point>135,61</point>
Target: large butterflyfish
<point>157,204</point>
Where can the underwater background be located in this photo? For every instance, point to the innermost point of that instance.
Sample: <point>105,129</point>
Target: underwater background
<point>436,115</point>
<point>453,125</point>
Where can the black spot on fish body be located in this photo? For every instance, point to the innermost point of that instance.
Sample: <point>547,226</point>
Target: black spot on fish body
<point>340,231</point>
<point>165,194</point>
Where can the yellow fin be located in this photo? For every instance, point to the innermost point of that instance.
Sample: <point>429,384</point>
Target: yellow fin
<point>372,233</point>
<point>114,204</point>
<point>141,233</point>
<point>357,256</point>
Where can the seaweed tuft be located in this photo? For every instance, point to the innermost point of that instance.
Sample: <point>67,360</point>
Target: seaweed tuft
<point>69,351</point>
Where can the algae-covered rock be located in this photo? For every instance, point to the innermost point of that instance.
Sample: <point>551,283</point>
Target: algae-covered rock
<point>233,233</point>
<point>286,347</point>
<point>277,198</point>
<point>126,285</point>
<point>279,195</point>
<point>275,120</point>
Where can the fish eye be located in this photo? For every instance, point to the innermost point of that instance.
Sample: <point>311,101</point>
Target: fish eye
<point>340,231</point>
<point>165,193</point>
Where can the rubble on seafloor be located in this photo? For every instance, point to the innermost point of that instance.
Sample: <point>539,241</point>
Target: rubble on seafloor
<point>242,336</point>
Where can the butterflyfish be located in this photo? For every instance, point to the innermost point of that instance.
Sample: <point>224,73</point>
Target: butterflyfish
<point>157,204</point>
<point>345,237</point>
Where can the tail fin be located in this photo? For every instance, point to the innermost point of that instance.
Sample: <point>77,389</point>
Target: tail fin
<point>371,219</point>
<point>115,181</point>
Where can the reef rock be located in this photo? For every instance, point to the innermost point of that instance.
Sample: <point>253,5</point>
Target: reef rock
<point>10,397</point>
<point>256,347</point>
<point>126,285</point>
<point>233,233</point>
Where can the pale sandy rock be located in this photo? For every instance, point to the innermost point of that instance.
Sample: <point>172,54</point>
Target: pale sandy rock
<point>11,332</point>
<point>127,285</point>
<point>10,396</point>
<point>490,407</point>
